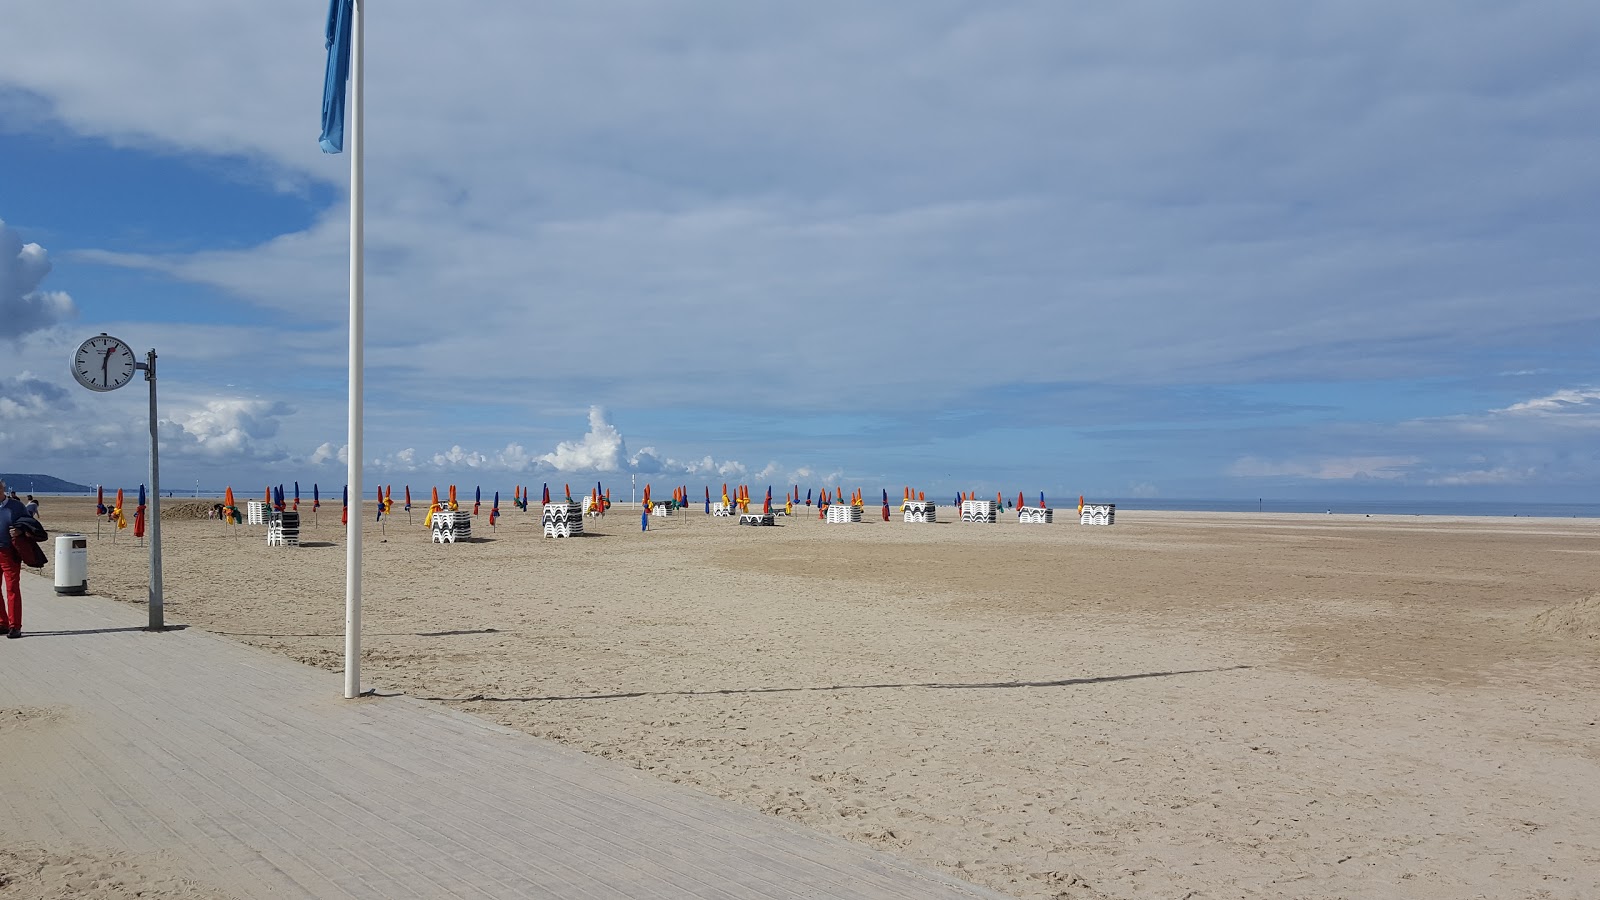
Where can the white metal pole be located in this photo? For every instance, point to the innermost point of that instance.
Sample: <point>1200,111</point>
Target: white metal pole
<point>352,564</point>
<point>157,608</point>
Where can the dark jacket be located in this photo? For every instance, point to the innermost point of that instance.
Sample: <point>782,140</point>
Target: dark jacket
<point>27,543</point>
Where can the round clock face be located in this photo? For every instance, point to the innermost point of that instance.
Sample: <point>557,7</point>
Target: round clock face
<point>103,363</point>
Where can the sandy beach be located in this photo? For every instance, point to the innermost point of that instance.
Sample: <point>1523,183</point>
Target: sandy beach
<point>1179,705</point>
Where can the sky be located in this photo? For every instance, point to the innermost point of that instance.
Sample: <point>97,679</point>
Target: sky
<point>1143,249</point>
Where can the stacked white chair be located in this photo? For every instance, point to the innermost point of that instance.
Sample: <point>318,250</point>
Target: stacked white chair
<point>756,518</point>
<point>920,511</point>
<point>721,509</point>
<point>842,513</point>
<point>1098,514</point>
<point>452,526</point>
<point>660,508</point>
<point>283,529</point>
<point>256,512</point>
<point>562,520</point>
<point>1035,515</point>
<point>977,511</point>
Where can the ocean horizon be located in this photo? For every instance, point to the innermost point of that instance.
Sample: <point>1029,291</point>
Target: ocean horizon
<point>1503,508</point>
<point>1508,509</point>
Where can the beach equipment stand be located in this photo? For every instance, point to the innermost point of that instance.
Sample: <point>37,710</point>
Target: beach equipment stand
<point>283,529</point>
<point>562,520</point>
<point>1098,514</point>
<point>1035,515</point>
<point>978,511</point>
<point>842,514</point>
<point>256,512</point>
<point>452,526</point>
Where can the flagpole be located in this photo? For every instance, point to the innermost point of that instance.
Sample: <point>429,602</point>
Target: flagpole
<point>352,565</point>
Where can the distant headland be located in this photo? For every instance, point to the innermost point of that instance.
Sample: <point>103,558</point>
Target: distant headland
<point>42,484</point>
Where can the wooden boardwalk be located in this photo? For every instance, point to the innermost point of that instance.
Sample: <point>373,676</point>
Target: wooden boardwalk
<point>248,773</point>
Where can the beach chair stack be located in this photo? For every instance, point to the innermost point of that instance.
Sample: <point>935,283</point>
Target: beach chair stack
<point>721,509</point>
<point>1035,515</point>
<point>977,511</point>
<point>841,513</point>
<point>1098,514</point>
<point>756,518</point>
<point>919,511</point>
<point>283,529</point>
<point>452,526</point>
<point>562,520</point>
<point>256,512</point>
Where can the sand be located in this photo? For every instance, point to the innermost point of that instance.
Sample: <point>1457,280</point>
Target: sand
<point>1179,705</point>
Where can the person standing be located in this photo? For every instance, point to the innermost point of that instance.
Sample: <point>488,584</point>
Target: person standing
<point>32,507</point>
<point>11,509</point>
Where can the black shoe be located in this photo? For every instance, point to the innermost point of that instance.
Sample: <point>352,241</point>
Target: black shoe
<point>14,633</point>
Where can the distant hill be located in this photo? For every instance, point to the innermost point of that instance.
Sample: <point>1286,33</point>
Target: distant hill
<point>42,484</point>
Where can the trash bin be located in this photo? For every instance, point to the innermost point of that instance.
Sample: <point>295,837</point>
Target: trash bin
<point>72,564</point>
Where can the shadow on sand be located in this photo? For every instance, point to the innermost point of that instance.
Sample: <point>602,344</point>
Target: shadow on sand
<point>29,634</point>
<point>936,685</point>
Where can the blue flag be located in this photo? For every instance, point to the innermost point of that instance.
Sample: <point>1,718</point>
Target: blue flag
<point>333,85</point>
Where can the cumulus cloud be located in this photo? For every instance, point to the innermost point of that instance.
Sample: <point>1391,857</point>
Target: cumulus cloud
<point>234,428</point>
<point>602,449</point>
<point>513,458</point>
<point>25,395</point>
<point>646,461</point>
<point>327,452</point>
<point>24,306</point>
<point>649,460</point>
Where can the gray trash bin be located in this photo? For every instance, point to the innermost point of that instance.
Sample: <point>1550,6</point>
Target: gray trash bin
<point>72,564</point>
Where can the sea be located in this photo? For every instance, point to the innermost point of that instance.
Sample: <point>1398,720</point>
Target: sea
<point>1507,509</point>
<point>1368,507</point>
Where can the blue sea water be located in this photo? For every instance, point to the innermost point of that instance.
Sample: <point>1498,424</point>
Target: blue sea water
<point>1266,505</point>
<point>1367,507</point>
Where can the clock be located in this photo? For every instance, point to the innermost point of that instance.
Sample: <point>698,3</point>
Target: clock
<point>103,363</point>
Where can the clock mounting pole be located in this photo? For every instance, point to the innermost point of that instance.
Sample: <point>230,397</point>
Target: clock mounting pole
<point>157,606</point>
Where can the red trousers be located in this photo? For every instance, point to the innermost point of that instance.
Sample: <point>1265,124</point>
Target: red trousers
<point>11,582</point>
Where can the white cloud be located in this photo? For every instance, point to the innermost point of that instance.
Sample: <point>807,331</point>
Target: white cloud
<point>326,452</point>
<point>1575,404</point>
<point>1497,476</point>
<point>1538,419</point>
<point>25,396</point>
<point>602,449</point>
<point>1342,468</point>
<point>24,306</point>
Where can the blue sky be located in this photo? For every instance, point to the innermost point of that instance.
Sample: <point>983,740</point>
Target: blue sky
<point>1144,249</point>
